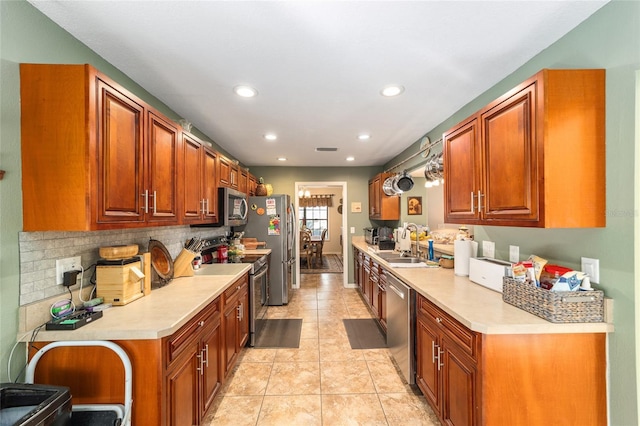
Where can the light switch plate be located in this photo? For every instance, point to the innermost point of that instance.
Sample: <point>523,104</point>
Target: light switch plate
<point>489,249</point>
<point>591,267</point>
<point>514,254</point>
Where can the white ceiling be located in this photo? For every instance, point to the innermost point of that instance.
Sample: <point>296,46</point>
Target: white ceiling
<point>318,65</point>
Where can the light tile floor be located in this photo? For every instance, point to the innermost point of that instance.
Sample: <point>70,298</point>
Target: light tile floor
<point>324,381</point>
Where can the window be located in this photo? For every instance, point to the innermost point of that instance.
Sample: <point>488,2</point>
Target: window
<point>315,219</point>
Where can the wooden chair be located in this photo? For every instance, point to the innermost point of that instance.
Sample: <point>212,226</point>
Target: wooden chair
<point>306,248</point>
<point>318,246</point>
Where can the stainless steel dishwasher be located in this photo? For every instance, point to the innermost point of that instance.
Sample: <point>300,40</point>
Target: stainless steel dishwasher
<point>401,326</point>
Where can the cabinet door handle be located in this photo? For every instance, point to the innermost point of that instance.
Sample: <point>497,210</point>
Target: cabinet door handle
<point>206,209</point>
<point>433,351</point>
<point>480,195</point>
<point>239,314</point>
<point>146,200</point>
<point>206,355</point>
<point>440,362</point>
<point>154,202</point>
<point>201,362</point>
<point>472,203</point>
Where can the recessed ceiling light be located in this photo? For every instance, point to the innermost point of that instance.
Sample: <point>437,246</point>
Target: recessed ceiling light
<point>351,158</point>
<point>364,137</point>
<point>282,159</point>
<point>392,90</point>
<point>245,91</point>
<point>270,136</point>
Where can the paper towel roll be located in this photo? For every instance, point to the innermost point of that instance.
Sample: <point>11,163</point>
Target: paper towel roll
<point>463,250</point>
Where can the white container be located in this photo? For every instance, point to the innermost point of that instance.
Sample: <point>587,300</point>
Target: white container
<point>488,272</point>
<point>463,251</point>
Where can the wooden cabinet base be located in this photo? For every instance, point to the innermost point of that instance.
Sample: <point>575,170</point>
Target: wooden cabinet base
<point>95,375</point>
<point>544,379</point>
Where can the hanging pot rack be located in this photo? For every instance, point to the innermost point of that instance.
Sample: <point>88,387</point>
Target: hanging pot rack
<point>420,151</point>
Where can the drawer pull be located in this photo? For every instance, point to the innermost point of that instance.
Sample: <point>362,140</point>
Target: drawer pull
<point>201,323</point>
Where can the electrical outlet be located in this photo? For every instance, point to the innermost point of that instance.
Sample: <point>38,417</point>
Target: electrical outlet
<point>68,264</point>
<point>489,249</point>
<point>591,267</point>
<point>353,229</point>
<point>514,254</point>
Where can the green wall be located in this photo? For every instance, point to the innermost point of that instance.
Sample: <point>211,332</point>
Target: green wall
<point>26,35</point>
<point>609,39</point>
<point>283,180</point>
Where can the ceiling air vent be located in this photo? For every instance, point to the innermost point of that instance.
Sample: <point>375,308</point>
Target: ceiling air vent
<point>326,149</point>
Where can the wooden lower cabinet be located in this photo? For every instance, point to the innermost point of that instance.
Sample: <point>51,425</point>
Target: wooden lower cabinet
<point>372,282</point>
<point>182,389</point>
<point>175,379</point>
<point>194,378</point>
<point>470,378</point>
<point>235,302</point>
<point>445,371</point>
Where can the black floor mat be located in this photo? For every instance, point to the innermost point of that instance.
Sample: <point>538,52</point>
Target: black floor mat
<point>278,333</point>
<point>364,334</point>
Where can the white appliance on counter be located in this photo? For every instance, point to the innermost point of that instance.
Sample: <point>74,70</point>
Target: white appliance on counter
<point>403,239</point>
<point>489,272</point>
<point>271,219</point>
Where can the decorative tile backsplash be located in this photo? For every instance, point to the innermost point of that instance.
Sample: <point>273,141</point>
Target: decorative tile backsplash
<point>40,250</point>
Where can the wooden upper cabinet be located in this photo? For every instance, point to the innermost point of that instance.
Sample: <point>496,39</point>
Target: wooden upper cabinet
<point>381,205</point>
<point>253,183</point>
<point>199,184</point>
<point>227,172</point>
<point>461,174</point>
<point>243,180</point>
<point>534,157</point>
<point>94,156</point>
<point>121,172</point>
<point>163,152</point>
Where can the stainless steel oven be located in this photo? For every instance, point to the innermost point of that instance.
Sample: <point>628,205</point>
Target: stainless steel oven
<point>259,298</point>
<point>258,283</point>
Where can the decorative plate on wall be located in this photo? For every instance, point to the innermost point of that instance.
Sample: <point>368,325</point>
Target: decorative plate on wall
<point>423,144</point>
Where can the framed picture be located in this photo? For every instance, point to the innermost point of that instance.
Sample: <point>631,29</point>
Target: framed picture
<point>414,205</point>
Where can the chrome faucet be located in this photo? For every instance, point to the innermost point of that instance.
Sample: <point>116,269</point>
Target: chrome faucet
<point>407,227</point>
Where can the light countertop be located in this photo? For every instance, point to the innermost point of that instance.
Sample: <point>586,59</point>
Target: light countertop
<point>162,312</point>
<point>475,306</point>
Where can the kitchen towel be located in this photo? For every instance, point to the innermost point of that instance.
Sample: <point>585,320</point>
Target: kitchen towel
<point>463,250</point>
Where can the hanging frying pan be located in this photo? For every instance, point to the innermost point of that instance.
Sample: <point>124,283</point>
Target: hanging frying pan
<point>404,182</point>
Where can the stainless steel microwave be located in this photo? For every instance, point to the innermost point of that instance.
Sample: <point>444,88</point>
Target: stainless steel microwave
<point>233,208</point>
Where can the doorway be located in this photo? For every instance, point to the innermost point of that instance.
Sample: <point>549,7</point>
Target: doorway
<point>342,189</point>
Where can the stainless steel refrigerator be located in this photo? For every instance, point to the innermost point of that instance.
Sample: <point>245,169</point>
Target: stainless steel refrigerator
<point>272,219</point>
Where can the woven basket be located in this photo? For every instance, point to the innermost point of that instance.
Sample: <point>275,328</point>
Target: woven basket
<point>554,306</point>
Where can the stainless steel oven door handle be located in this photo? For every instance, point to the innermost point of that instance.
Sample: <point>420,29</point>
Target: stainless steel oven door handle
<point>260,274</point>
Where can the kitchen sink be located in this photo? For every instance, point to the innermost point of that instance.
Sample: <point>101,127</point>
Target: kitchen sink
<point>404,260</point>
<point>396,258</point>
